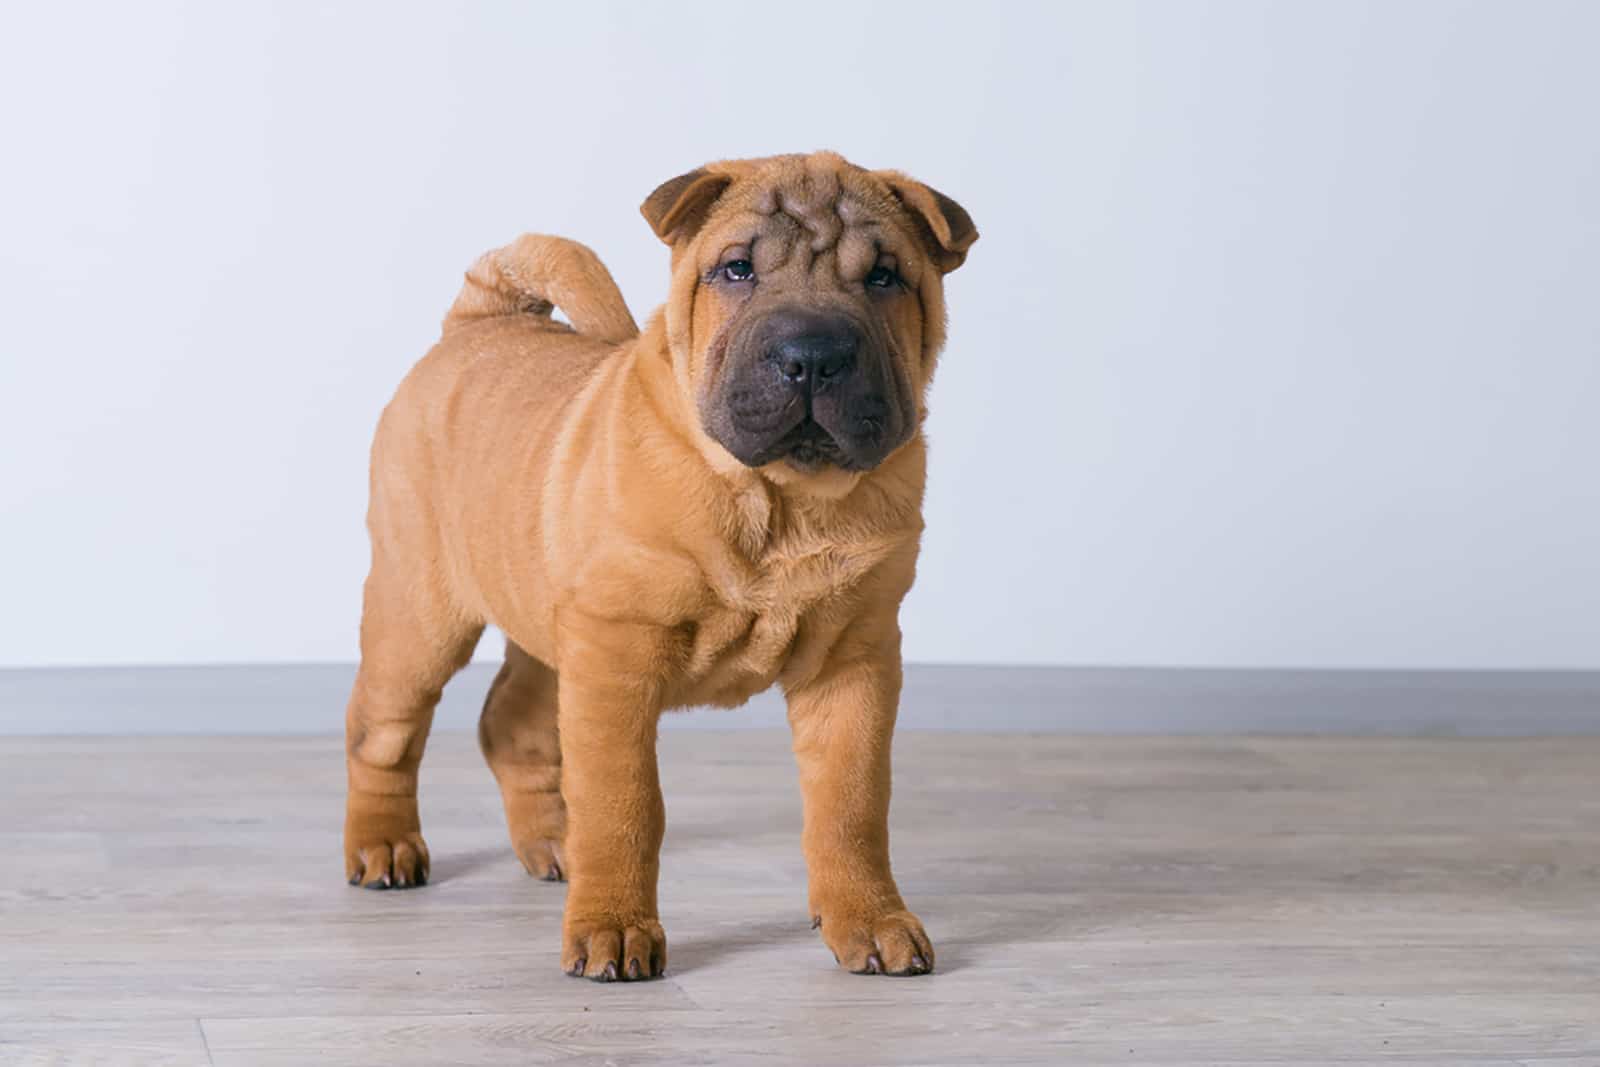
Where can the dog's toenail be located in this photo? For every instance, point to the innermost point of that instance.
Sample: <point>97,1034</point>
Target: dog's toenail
<point>633,968</point>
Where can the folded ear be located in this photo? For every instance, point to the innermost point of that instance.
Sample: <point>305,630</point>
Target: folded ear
<point>945,224</point>
<point>679,206</point>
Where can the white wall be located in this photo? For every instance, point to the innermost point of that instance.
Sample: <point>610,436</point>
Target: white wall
<point>1281,346</point>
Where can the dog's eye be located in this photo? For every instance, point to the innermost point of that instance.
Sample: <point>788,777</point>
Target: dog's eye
<point>738,270</point>
<point>881,277</point>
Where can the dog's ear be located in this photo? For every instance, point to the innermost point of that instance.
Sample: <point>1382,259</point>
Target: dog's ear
<point>946,227</point>
<point>678,207</point>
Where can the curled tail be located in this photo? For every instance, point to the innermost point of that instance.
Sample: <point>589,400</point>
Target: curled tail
<point>536,274</point>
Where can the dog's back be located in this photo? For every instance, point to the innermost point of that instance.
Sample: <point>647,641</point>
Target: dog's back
<point>501,378</point>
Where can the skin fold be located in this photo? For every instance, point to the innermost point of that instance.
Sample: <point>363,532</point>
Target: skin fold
<point>727,500</point>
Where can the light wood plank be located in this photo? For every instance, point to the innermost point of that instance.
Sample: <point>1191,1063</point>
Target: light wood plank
<point>163,1043</point>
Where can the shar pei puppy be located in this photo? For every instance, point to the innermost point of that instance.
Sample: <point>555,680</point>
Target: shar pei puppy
<point>684,515</point>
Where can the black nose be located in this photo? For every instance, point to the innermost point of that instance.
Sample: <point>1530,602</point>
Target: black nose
<point>811,350</point>
<point>815,359</point>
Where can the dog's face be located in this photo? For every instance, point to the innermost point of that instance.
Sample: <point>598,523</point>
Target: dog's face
<point>807,305</point>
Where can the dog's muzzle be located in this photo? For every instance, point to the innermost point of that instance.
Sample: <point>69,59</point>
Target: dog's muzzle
<point>808,386</point>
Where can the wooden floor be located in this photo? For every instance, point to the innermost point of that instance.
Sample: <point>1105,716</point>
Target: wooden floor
<point>1093,901</point>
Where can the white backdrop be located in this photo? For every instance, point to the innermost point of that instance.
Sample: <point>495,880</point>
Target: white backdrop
<point>1281,345</point>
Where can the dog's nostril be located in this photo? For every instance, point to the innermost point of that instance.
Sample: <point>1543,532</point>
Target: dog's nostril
<point>830,365</point>
<point>793,368</point>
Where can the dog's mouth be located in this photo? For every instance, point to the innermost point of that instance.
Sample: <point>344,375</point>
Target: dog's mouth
<point>810,448</point>
<point>806,446</point>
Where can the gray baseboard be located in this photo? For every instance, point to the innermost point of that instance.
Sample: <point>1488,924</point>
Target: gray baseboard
<point>309,698</point>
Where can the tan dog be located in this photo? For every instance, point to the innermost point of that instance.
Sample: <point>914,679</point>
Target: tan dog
<point>729,500</point>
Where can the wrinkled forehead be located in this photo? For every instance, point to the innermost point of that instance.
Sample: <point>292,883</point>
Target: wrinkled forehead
<point>819,221</point>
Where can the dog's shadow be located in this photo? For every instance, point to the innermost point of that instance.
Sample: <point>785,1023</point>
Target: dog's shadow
<point>690,954</point>
<point>455,866</point>
<point>759,930</point>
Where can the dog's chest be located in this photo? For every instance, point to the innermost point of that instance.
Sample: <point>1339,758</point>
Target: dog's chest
<point>759,614</point>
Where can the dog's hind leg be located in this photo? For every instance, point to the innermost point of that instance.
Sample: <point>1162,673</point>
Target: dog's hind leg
<point>412,642</point>
<point>521,742</point>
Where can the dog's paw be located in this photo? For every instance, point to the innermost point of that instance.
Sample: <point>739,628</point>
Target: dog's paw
<point>537,822</point>
<point>397,861</point>
<point>610,951</point>
<point>542,857</point>
<point>891,943</point>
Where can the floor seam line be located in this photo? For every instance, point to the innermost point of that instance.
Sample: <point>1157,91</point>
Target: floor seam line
<point>199,1025</point>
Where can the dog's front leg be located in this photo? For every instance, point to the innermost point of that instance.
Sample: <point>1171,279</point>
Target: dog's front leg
<point>615,816</point>
<point>843,721</point>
